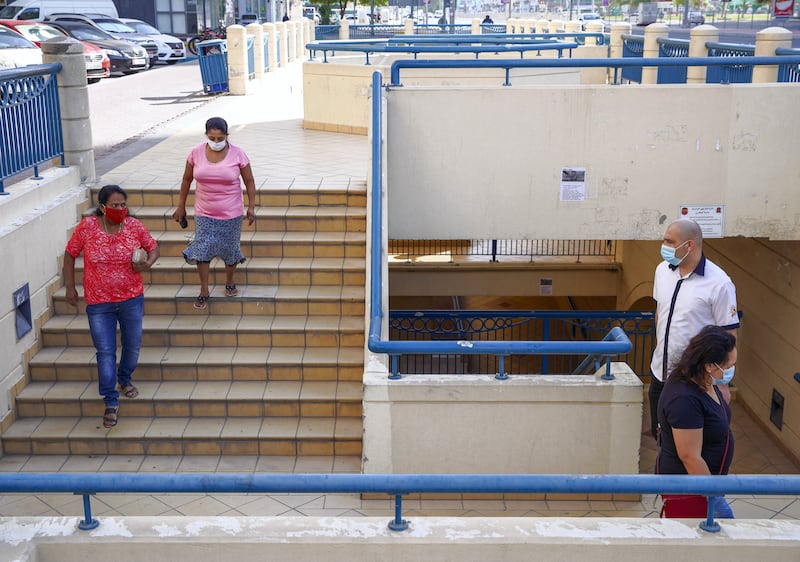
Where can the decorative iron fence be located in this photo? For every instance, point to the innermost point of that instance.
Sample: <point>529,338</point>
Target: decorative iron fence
<point>30,119</point>
<point>632,47</point>
<point>326,32</point>
<point>504,325</point>
<point>498,248</point>
<point>377,31</point>
<point>436,29</point>
<point>493,28</point>
<point>737,73</point>
<point>788,72</point>
<point>672,48</point>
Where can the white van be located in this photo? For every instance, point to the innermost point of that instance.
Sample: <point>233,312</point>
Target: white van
<point>39,9</point>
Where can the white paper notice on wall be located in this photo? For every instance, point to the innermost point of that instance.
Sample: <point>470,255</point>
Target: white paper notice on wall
<point>573,184</point>
<point>545,287</point>
<point>710,218</point>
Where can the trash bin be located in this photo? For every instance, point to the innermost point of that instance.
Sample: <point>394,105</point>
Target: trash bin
<point>213,59</point>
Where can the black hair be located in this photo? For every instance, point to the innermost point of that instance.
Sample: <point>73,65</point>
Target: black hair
<point>105,193</point>
<point>711,345</point>
<point>218,124</point>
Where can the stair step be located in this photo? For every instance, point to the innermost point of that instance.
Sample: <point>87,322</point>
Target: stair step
<point>196,363</point>
<point>197,399</point>
<point>335,218</point>
<point>325,192</point>
<point>72,330</point>
<point>256,299</point>
<point>277,244</point>
<point>184,436</point>
<point>257,271</point>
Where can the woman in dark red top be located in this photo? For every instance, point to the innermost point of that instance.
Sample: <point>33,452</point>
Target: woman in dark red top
<point>116,249</point>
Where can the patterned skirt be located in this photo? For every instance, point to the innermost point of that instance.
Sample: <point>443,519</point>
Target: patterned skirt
<point>215,238</point>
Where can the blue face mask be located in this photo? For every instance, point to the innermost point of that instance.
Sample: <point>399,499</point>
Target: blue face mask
<point>668,254</point>
<point>727,375</point>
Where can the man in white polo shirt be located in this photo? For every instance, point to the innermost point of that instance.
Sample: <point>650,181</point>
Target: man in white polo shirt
<point>690,292</point>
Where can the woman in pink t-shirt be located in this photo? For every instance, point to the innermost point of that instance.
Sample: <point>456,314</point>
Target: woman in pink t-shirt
<point>216,166</point>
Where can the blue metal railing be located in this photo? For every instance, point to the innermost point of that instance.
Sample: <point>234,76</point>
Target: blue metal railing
<point>672,48</point>
<point>733,73</point>
<point>788,72</point>
<point>493,249</point>
<point>30,119</point>
<point>414,45</point>
<point>619,344</point>
<point>435,28</point>
<point>493,28</point>
<point>326,32</point>
<point>375,31</point>
<point>632,47</point>
<point>397,485</point>
<point>519,325</point>
<point>614,63</point>
<point>251,57</point>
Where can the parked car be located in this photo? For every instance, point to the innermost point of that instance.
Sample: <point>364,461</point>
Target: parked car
<point>125,57</point>
<point>39,9</point>
<point>588,17</point>
<point>16,51</point>
<point>170,49</point>
<point>247,19</point>
<point>97,63</point>
<point>696,18</point>
<point>113,27</point>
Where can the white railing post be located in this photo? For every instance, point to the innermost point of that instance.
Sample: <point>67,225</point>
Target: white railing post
<point>283,32</point>
<point>238,73</point>
<point>73,100</point>
<point>652,33</point>
<point>257,32</point>
<point>698,38</point>
<point>767,40</point>
<point>272,46</point>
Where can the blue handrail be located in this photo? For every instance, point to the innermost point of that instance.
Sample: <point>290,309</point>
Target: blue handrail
<point>615,63</point>
<point>617,345</point>
<point>397,485</point>
<point>29,103</point>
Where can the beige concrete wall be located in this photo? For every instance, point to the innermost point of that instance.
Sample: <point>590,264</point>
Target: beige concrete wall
<point>477,424</point>
<point>492,158</point>
<point>336,94</point>
<point>432,539</point>
<point>35,220</point>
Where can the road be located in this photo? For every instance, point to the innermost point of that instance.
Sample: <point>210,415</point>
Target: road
<point>124,108</point>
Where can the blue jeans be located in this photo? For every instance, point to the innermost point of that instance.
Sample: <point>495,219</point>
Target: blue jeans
<point>103,319</point>
<point>722,510</point>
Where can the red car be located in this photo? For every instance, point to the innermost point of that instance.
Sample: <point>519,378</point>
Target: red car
<point>98,64</point>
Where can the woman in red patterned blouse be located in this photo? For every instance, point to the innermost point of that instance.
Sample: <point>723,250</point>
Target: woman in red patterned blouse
<point>116,249</point>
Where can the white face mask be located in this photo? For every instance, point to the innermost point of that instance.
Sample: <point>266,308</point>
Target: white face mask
<point>216,146</point>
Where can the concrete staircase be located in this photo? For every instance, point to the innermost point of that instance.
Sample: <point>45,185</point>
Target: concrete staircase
<point>274,371</point>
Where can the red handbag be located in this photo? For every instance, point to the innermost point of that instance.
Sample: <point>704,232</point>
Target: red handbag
<point>684,506</point>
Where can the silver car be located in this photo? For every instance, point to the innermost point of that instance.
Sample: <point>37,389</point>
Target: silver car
<point>170,49</point>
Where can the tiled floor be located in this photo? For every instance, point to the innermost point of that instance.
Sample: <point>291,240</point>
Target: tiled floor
<point>268,124</point>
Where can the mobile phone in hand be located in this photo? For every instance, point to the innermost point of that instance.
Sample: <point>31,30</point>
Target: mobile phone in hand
<point>184,223</point>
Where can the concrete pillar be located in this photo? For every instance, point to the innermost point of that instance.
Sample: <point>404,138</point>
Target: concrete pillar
<point>698,38</point>
<point>257,32</point>
<point>651,34</point>
<point>767,40</point>
<point>510,25</point>
<point>475,27</point>
<point>573,26</point>
<point>311,36</point>
<point>556,26</point>
<point>291,40</point>
<point>409,26</point>
<point>593,27</point>
<point>237,60</point>
<point>272,48</point>
<point>617,30</point>
<point>344,30</point>
<point>542,26</point>
<point>281,30</point>
<point>73,99</point>
<point>299,33</point>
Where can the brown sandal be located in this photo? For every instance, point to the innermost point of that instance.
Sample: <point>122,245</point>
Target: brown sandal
<point>110,416</point>
<point>130,391</point>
